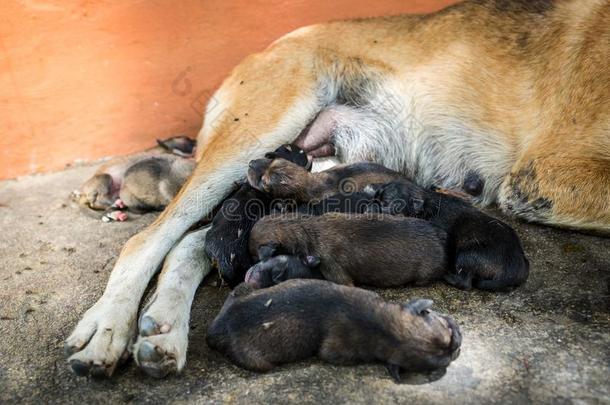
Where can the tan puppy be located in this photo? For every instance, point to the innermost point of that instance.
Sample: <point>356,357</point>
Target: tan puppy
<point>516,92</point>
<point>145,181</point>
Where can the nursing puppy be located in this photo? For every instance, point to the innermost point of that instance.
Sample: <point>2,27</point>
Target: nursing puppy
<point>283,179</point>
<point>372,249</point>
<point>145,181</point>
<point>226,242</point>
<point>483,251</point>
<point>299,319</point>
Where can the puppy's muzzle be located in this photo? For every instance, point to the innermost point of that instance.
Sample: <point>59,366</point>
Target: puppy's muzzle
<point>256,169</point>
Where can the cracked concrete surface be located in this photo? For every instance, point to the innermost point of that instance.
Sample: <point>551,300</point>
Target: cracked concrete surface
<point>548,341</point>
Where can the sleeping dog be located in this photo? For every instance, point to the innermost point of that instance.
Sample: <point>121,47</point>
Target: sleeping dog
<point>341,325</point>
<point>483,250</point>
<point>145,181</point>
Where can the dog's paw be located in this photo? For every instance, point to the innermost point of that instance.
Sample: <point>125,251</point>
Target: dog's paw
<point>163,335</point>
<point>100,340</point>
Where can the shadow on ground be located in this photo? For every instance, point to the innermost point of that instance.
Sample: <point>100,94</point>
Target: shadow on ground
<point>548,341</point>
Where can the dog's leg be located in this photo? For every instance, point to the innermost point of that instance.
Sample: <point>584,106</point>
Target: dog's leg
<point>565,191</point>
<point>268,100</point>
<point>164,322</point>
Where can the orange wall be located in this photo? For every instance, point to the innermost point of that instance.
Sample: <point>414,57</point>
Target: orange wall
<point>83,79</point>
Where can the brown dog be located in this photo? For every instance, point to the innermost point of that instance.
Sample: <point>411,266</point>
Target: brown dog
<point>513,91</point>
<point>373,249</point>
<point>342,325</point>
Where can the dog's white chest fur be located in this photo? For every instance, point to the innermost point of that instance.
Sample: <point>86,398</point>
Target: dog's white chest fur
<point>409,132</point>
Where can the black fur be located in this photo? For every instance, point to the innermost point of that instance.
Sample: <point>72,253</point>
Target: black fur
<point>277,269</point>
<point>342,325</point>
<point>483,251</point>
<point>227,241</point>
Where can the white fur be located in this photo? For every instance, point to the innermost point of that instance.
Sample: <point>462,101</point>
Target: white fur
<point>321,164</point>
<point>407,130</point>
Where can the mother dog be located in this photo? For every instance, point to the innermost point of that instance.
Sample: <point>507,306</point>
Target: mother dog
<point>516,92</point>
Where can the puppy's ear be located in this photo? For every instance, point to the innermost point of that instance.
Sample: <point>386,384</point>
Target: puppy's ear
<point>163,144</point>
<point>311,261</point>
<point>267,251</point>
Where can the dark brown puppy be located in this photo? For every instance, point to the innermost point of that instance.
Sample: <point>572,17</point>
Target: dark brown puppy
<point>280,268</point>
<point>282,179</point>
<point>341,325</point>
<point>484,251</point>
<point>226,243</point>
<point>371,249</point>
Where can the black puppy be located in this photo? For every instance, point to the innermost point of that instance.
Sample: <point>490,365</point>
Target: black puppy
<point>483,251</point>
<point>226,242</point>
<point>298,319</point>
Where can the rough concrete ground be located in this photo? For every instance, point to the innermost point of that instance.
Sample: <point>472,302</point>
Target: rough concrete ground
<point>548,341</point>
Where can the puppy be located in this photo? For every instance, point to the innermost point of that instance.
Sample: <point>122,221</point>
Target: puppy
<point>276,269</point>
<point>341,325</point>
<point>145,181</point>
<point>484,251</point>
<point>359,202</point>
<point>226,242</point>
<point>372,249</point>
<point>283,179</point>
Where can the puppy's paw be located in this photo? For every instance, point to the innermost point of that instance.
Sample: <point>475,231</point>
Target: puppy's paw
<point>112,216</point>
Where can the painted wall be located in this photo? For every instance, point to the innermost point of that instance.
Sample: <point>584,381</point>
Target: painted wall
<point>84,79</point>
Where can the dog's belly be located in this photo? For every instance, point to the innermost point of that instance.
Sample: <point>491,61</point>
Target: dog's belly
<point>431,149</point>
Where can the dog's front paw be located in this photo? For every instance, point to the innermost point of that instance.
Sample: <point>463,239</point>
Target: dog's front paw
<point>99,341</point>
<point>163,335</point>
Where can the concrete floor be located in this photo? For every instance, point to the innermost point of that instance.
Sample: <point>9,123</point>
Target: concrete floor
<point>549,341</point>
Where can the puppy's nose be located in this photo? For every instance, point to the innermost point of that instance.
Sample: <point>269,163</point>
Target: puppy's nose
<point>456,337</point>
<point>258,164</point>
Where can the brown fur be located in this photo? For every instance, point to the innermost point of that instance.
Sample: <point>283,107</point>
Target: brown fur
<point>143,181</point>
<point>286,180</point>
<point>303,318</point>
<point>371,249</point>
<point>516,91</point>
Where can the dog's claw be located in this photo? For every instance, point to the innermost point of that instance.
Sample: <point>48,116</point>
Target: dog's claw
<point>148,326</point>
<point>101,370</point>
<point>69,350</point>
<point>394,371</point>
<point>80,368</point>
<point>155,361</point>
<point>149,352</point>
